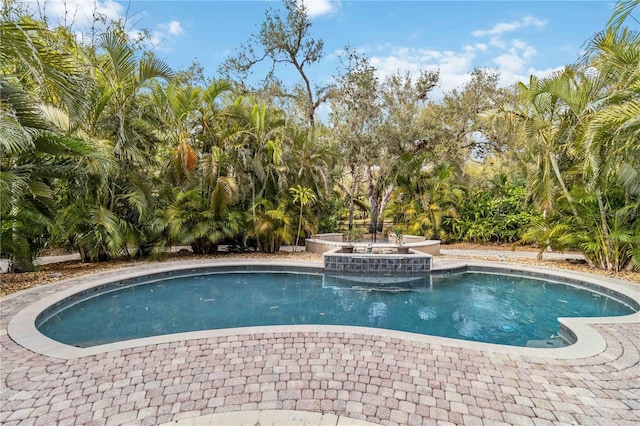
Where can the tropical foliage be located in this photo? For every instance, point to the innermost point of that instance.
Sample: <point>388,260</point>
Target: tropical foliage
<point>579,128</point>
<point>107,151</point>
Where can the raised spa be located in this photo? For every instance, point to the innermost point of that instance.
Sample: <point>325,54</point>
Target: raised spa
<point>483,307</point>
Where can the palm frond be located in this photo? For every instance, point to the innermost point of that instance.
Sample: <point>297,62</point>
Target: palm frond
<point>629,178</point>
<point>18,106</point>
<point>152,67</point>
<point>621,12</point>
<point>215,89</point>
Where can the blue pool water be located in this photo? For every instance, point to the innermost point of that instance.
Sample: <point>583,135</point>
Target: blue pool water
<point>503,309</point>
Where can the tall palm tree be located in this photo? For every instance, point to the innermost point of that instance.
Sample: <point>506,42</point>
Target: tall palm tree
<point>615,127</point>
<point>178,110</point>
<point>611,138</point>
<point>117,119</point>
<point>36,79</point>
<point>539,114</point>
<point>259,146</point>
<point>188,116</point>
<point>592,119</point>
<point>122,75</point>
<point>309,162</point>
<point>302,196</point>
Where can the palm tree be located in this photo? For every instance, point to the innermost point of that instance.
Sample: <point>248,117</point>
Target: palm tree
<point>44,63</point>
<point>308,163</point>
<point>591,119</point>
<point>543,137</point>
<point>177,108</point>
<point>611,138</point>
<point>122,75</point>
<point>188,116</point>
<point>615,126</point>
<point>191,220</point>
<point>258,145</point>
<point>303,196</point>
<point>424,200</point>
<point>271,226</point>
<point>37,81</point>
<point>119,122</point>
<point>621,12</point>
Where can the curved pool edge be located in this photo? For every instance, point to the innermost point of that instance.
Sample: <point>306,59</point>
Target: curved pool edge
<point>590,342</point>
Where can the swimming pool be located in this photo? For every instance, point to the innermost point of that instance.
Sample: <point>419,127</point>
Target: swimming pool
<point>503,309</point>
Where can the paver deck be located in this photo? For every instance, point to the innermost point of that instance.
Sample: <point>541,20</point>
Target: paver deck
<point>379,379</point>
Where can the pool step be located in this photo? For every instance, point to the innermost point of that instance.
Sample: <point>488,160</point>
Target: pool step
<point>555,342</point>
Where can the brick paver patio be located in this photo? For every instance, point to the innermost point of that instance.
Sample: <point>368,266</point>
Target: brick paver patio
<point>360,376</point>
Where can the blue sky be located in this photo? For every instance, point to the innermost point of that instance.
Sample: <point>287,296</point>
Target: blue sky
<point>518,37</point>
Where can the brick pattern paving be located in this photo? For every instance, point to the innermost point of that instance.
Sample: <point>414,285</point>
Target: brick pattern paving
<point>379,379</point>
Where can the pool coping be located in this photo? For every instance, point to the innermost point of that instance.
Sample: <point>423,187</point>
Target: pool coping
<point>590,342</point>
<point>270,417</point>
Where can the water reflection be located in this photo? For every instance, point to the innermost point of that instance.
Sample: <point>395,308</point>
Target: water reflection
<point>427,313</point>
<point>377,313</point>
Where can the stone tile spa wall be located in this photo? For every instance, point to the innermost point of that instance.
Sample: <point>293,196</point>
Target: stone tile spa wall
<point>377,263</point>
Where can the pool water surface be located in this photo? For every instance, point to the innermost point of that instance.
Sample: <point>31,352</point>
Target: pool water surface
<point>492,308</point>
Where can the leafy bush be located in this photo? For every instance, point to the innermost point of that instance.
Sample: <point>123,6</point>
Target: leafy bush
<point>498,214</point>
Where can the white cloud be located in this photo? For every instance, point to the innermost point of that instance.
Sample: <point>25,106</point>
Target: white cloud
<point>84,16</point>
<point>150,40</point>
<point>499,28</point>
<point>513,57</point>
<point>514,60</point>
<point>175,28</point>
<point>454,66</point>
<point>513,69</point>
<point>110,9</point>
<point>480,46</point>
<point>542,73</point>
<point>535,22</point>
<point>497,42</point>
<point>505,27</point>
<point>514,53</point>
<point>509,77</point>
<point>78,13</point>
<point>163,35</point>
<point>160,38</point>
<point>510,63</point>
<point>392,64</point>
<point>320,7</point>
<point>518,44</point>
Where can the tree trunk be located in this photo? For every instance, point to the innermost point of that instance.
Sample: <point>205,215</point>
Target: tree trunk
<point>21,265</point>
<point>204,246</point>
<point>611,264</point>
<point>352,191</point>
<point>374,203</point>
<point>253,200</point>
<point>386,195</point>
<point>565,191</point>
<point>373,221</point>
<point>299,229</point>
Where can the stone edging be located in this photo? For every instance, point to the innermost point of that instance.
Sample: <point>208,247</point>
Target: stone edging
<point>270,417</point>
